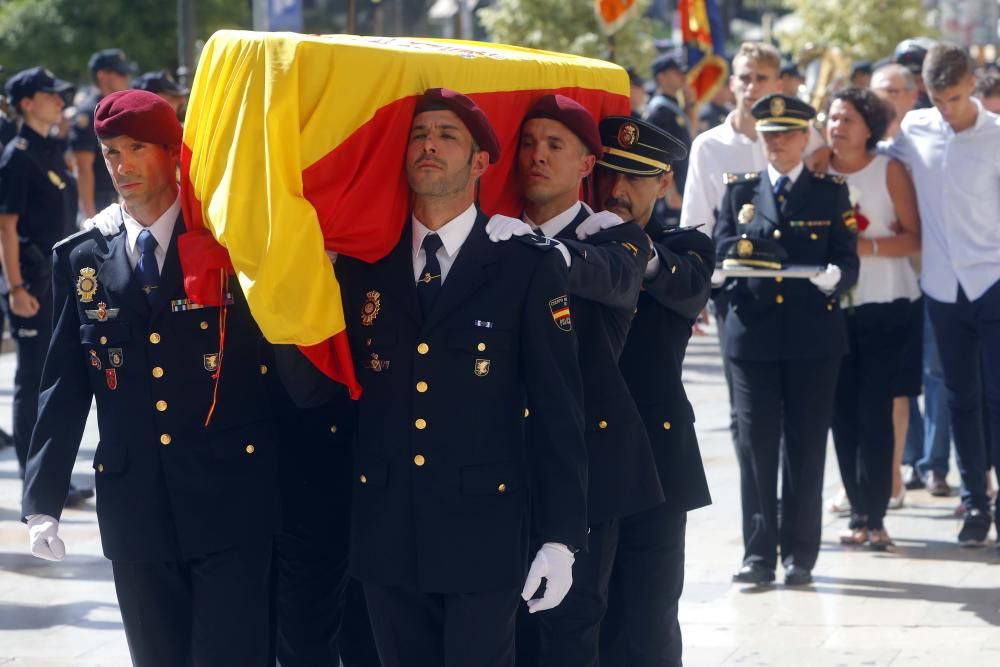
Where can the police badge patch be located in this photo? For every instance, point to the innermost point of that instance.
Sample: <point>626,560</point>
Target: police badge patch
<point>746,214</point>
<point>116,357</point>
<point>482,368</point>
<point>370,308</point>
<point>86,284</point>
<point>560,312</point>
<point>210,362</point>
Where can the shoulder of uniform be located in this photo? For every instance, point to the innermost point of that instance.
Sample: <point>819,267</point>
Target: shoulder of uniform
<point>536,241</point>
<point>75,240</point>
<point>747,177</point>
<point>836,179</point>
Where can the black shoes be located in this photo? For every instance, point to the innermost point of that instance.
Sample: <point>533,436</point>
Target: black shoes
<point>797,576</point>
<point>754,573</point>
<point>76,496</point>
<point>975,529</point>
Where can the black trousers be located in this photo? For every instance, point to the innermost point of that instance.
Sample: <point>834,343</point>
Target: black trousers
<point>968,337</point>
<point>791,399</point>
<point>640,628</point>
<point>570,634</point>
<point>31,336</point>
<point>721,305</point>
<point>206,612</point>
<point>862,420</point>
<point>320,613</point>
<point>414,629</point>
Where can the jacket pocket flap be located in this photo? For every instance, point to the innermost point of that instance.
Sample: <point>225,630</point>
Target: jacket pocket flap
<point>491,478</point>
<point>106,333</point>
<point>109,459</point>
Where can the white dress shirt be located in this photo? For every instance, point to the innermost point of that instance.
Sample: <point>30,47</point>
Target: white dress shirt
<point>715,153</point>
<point>453,234</point>
<point>553,226</point>
<point>792,174</point>
<point>162,230</point>
<point>957,178</point>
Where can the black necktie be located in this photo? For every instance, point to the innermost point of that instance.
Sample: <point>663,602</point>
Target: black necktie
<point>146,269</point>
<point>429,282</point>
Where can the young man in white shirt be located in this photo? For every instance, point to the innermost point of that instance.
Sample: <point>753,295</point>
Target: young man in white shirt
<point>951,151</point>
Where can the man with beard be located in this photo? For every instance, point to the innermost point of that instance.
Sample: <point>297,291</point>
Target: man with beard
<point>641,628</point>
<point>448,320</point>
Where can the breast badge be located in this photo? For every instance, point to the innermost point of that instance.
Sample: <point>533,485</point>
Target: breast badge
<point>102,312</point>
<point>560,313</point>
<point>376,364</point>
<point>86,284</point>
<point>116,357</point>
<point>210,362</point>
<point>111,378</point>
<point>482,368</point>
<point>371,307</point>
<point>746,214</point>
<point>95,361</point>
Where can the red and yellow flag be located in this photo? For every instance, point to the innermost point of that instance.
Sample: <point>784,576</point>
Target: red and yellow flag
<point>612,14</point>
<point>294,144</point>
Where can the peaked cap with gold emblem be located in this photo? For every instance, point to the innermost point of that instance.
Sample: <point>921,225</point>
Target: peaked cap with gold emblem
<point>781,113</point>
<point>636,147</point>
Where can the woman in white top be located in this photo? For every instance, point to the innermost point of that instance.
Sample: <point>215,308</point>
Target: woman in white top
<point>880,310</point>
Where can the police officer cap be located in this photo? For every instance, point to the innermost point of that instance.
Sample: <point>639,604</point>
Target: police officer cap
<point>110,59</point>
<point>435,99</point>
<point>634,78</point>
<point>755,253</point>
<point>780,113</point>
<point>138,114</point>
<point>160,83</point>
<point>668,61</point>
<point>910,53</point>
<point>573,115</point>
<point>861,67</point>
<point>636,147</point>
<point>35,80</point>
<point>791,68</point>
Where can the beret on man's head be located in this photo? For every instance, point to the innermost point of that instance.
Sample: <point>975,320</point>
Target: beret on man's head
<point>139,114</point>
<point>573,115</point>
<point>472,117</point>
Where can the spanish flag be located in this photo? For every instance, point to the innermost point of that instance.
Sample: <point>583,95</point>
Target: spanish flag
<point>294,144</point>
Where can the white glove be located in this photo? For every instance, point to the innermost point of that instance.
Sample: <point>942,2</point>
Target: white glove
<point>43,532</point>
<point>597,222</point>
<point>553,561</point>
<point>501,228</point>
<point>718,278</point>
<point>827,281</point>
<point>106,220</point>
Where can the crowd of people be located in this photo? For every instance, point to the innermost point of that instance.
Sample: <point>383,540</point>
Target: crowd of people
<point>261,515</point>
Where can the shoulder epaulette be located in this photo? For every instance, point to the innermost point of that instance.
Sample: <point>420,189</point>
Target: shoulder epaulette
<point>833,178</point>
<point>536,241</point>
<point>748,177</point>
<point>76,239</point>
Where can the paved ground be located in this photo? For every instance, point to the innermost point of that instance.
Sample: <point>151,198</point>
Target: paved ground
<point>929,603</point>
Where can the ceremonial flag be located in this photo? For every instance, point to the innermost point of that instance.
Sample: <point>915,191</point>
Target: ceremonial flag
<point>612,14</point>
<point>704,45</point>
<point>294,144</point>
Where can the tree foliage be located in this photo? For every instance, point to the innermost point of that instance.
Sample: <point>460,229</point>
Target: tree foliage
<point>62,34</point>
<point>864,29</point>
<point>571,26</point>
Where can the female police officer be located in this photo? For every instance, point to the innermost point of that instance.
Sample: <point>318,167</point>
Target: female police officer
<point>784,339</point>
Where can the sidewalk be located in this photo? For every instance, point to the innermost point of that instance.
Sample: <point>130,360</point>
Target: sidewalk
<point>929,603</point>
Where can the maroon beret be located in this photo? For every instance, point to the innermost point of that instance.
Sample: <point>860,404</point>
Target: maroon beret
<point>573,115</point>
<point>139,114</point>
<point>435,99</point>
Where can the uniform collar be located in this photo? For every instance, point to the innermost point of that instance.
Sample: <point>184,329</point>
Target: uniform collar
<point>553,226</point>
<point>162,229</point>
<point>793,174</point>
<point>453,233</point>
